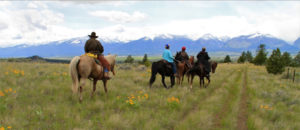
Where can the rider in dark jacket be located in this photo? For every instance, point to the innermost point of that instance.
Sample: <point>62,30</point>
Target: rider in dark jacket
<point>185,56</point>
<point>94,46</point>
<point>203,58</point>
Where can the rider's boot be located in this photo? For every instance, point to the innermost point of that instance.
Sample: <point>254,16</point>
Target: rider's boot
<point>106,74</point>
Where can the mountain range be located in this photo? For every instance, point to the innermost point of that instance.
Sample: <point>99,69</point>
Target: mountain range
<point>155,46</point>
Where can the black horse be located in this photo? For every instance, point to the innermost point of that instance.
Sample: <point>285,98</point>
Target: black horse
<point>164,69</point>
<point>198,69</point>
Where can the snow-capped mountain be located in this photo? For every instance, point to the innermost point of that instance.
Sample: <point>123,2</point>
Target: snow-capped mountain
<point>155,45</point>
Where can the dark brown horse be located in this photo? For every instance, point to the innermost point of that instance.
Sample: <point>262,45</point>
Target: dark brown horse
<point>164,69</point>
<point>83,68</point>
<point>199,70</point>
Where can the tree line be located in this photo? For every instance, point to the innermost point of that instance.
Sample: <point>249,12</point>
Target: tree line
<point>274,64</point>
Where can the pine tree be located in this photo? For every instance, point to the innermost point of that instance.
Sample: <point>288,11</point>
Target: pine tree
<point>274,64</point>
<point>261,55</point>
<point>129,59</point>
<point>227,59</point>
<point>296,60</point>
<point>249,56</point>
<point>145,61</point>
<point>287,59</point>
<point>242,58</point>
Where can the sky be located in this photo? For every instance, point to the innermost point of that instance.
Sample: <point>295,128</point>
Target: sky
<point>40,22</point>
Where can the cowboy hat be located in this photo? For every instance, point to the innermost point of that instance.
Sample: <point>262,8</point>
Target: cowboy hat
<point>93,34</point>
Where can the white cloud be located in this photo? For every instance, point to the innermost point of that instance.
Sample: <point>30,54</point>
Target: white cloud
<point>4,3</point>
<point>118,16</point>
<point>37,24</point>
<point>31,25</point>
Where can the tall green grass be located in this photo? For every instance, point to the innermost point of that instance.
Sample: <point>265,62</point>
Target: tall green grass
<point>41,98</point>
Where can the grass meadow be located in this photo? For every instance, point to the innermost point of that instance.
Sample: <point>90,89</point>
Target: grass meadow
<point>240,96</point>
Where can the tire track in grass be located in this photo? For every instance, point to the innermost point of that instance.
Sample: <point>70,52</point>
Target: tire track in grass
<point>186,114</point>
<point>225,109</point>
<point>242,114</point>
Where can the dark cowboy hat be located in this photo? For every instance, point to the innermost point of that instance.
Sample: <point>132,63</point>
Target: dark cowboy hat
<point>93,34</point>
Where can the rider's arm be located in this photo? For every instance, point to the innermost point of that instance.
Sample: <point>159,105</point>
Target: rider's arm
<point>207,56</point>
<point>100,47</point>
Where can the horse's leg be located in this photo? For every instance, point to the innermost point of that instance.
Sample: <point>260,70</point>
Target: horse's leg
<point>163,81</point>
<point>201,81</point>
<point>82,83</point>
<point>153,76</point>
<point>178,79</point>
<point>208,78</point>
<point>94,87</point>
<point>113,70</point>
<point>104,84</point>
<point>172,78</point>
<point>182,79</point>
<point>191,82</point>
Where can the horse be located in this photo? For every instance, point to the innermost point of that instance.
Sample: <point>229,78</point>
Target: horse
<point>111,59</point>
<point>182,68</point>
<point>84,67</point>
<point>191,60</point>
<point>164,69</point>
<point>198,69</point>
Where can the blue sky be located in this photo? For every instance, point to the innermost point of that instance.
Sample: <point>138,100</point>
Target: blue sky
<point>38,22</point>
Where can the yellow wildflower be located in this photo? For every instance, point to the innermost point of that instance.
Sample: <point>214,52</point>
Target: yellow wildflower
<point>139,98</point>
<point>1,94</point>
<point>10,89</point>
<point>131,103</point>
<point>6,90</point>
<point>2,128</point>
<point>261,106</point>
<point>15,91</point>
<point>8,127</point>
<point>146,95</point>
<point>266,107</point>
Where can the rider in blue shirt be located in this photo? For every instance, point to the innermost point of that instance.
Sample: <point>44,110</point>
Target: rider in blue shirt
<point>167,55</point>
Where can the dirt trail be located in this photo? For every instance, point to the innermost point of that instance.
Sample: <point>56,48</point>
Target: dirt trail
<point>186,114</point>
<point>242,115</point>
<point>224,109</point>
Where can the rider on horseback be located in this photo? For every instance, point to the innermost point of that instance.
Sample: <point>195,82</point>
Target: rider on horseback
<point>167,55</point>
<point>185,56</point>
<point>94,46</point>
<point>203,58</point>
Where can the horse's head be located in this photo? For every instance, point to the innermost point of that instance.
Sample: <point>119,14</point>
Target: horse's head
<point>178,56</point>
<point>191,60</point>
<point>214,66</point>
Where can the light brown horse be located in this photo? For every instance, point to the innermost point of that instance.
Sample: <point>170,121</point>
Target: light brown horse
<point>182,66</point>
<point>181,69</point>
<point>112,61</point>
<point>83,68</point>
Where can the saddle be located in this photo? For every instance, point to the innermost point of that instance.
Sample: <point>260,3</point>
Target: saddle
<point>169,65</point>
<point>94,56</point>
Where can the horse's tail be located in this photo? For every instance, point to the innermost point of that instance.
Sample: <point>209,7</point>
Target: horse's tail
<point>153,72</point>
<point>74,73</point>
